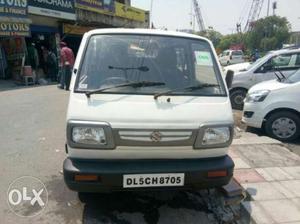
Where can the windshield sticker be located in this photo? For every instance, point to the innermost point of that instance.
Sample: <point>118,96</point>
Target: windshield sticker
<point>203,58</point>
<point>83,86</point>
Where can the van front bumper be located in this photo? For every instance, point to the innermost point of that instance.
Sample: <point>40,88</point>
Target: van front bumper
<point>110,172</point>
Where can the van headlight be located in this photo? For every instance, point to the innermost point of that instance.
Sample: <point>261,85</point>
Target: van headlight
<point>87,134</point>
<point>257,96</point>
<point>214,136</point>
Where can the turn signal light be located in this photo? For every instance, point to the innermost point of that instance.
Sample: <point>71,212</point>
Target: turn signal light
<point>86,177</point>
<point>218,173</point>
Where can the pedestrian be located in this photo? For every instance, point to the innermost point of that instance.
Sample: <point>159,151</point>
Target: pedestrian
<point>33,57</point>
<point>255,55</point>
<point>52,67</point>
<point>67,63</point>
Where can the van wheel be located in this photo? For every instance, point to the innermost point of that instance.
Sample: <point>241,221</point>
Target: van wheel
<point>237,98</point>
<point>284,126</point>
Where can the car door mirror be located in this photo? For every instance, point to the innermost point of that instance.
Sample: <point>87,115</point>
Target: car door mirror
<point>229,78</point>
<point>265,68</point>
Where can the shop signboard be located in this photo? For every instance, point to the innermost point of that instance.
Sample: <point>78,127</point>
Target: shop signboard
<point>13,18</point>
<point>14,29</point>
<point>13,8</point>
<point>129,12</point>
<point>63,9</point>
<point>75,29</point>
<point>99,6</point>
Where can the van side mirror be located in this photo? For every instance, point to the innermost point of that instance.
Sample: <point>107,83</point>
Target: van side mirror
<point>229,78</point>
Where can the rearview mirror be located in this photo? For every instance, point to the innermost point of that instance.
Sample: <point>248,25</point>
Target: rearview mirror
<point>229,78</point>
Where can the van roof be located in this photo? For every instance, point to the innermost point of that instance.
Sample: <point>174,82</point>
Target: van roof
<point>145,31</point>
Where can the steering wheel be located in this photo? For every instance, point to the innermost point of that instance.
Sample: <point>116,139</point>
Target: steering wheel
<point>111,81</point>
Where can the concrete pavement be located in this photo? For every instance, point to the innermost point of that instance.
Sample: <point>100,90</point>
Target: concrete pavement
<point>270,174</point>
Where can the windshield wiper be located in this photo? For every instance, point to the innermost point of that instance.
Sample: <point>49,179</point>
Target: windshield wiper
<point>141,68</point>
<point>278,77</point>
<point>283,76</point>
<point>130,84</point>
<point>188,88</point>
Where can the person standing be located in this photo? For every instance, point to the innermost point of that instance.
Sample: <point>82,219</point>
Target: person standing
<point>67,63</point>
<point>52,67</point>
<point>33,57</point>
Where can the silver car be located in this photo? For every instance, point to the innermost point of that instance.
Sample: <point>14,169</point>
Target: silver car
<point>275,64</point>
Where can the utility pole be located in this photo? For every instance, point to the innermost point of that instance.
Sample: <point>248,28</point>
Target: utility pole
<point>151,15</point>
<point>274,7</point>
<point>268,11</point>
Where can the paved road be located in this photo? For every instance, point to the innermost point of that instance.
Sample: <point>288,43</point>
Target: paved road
<point>32,127</point>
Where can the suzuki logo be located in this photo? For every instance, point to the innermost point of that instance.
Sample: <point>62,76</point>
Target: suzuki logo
<point>156,136</point>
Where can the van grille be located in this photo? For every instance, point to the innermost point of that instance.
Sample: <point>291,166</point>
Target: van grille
<point>155,137</point>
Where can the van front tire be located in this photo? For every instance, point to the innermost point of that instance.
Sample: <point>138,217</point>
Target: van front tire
<point>283,125</point>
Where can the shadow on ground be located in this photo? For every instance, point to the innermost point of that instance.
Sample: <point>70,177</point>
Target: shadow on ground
<point>146,207</point>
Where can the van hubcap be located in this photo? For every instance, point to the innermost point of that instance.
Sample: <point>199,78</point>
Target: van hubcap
<point>284,127</point>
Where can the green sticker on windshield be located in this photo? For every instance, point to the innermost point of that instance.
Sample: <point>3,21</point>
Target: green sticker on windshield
<point>203,58</point>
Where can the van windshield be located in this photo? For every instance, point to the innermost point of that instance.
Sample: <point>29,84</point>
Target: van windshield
<point>114,60</point>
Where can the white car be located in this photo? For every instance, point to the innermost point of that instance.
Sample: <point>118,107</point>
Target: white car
<point>286,61</point>
<point>240,67</point>
<point>148,109</point>
<point>275,106</point>
<point>230,57</point>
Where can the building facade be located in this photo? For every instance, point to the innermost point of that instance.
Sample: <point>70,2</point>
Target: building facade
<point>30,29</point>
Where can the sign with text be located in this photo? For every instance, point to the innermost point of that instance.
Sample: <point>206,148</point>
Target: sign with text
<point>13,8</point>
<point>129,12</point>
<point>64,9</point>
<point>14,29</point>
<point>100,6</point>
<point>76,30</point>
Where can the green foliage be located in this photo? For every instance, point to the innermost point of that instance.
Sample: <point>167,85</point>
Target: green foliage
<point>228,40</point>
<point>214,36</point>
<point>268,33</point>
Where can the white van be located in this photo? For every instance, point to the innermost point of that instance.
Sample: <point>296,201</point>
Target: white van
<point>275,106</point>
<point>147,109</point>
<point>231,57</point>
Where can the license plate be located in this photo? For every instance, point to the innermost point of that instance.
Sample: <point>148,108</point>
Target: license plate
<point>153,180</point>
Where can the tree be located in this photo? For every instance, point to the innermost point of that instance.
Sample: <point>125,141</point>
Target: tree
<point>214,36</point>
<point>268,33</point>
<point>227,41</point>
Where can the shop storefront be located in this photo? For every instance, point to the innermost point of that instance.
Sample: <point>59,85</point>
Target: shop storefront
<point>73,33</point>
<point>14,27</point>
<point>47,18</point>
<point>97,13</point>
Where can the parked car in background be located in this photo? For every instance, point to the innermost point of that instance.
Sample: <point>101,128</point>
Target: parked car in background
<point>275,106</point>
<point>285,61</point>
<point>240,67</point>
<point>230,57</point>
